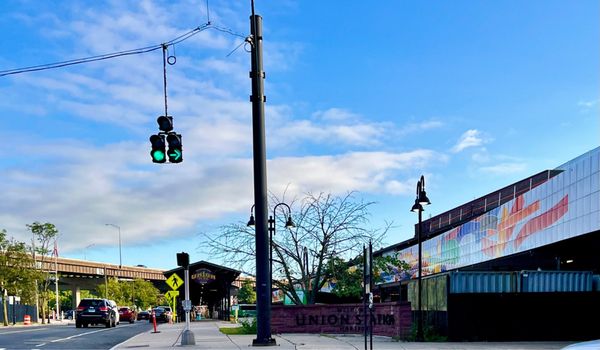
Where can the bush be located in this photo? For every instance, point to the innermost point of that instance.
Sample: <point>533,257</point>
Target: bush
<point>249,326</point>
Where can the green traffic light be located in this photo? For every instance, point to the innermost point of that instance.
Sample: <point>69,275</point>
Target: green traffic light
<point>158,155</point>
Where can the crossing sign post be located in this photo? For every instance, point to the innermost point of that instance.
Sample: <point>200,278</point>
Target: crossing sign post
<point>174,281</point>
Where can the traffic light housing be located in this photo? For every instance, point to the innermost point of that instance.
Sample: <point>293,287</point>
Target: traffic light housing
<point>165,123</point>
<point>158,152</point>
<point>175,148</point>
<point>183,259</point>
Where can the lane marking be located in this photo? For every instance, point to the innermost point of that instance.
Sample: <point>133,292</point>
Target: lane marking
<point>79,335</point>
<point>27,330</point>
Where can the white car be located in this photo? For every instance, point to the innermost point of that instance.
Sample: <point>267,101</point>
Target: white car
<point>586,345</point>
<point>116,308</point>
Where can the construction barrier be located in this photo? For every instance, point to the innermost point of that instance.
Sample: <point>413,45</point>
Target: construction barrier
<point>27,320</point>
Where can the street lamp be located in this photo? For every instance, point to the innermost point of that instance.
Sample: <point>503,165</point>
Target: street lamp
<point>120,256</point>
<point>420,200</point>
<point>86,248</point>
<point>288,224</point>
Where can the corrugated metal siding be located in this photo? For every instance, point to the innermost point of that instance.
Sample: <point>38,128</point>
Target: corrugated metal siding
<point>483,282</point>
<point>556,281</point>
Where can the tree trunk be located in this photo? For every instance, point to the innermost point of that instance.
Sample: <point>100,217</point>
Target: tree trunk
<point>5,308</point>
<point>43,311</point>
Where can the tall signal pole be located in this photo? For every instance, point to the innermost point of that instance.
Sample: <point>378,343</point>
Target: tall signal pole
<point>263,277</point>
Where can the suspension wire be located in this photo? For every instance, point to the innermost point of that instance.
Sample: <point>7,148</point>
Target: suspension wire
<point>142,50</point>
<point>164,47</point>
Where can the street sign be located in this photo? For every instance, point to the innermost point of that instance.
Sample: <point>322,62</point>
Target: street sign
<point>171,295</point>
<point>187,305</point>
<point>174,281</point>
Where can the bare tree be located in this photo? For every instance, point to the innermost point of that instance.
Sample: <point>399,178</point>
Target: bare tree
<point>326,226</point>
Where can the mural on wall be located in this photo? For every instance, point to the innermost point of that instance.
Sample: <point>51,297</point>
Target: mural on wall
<point>549,213</point>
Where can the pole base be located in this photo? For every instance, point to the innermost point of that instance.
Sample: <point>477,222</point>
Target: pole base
<point>187,338</point>
<point>269,342</point>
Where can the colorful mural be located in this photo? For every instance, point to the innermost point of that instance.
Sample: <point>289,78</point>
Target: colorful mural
<point>563,207</point>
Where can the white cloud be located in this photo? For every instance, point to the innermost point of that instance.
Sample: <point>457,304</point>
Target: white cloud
<point>470,138</point>
<point>504,169</point>
<point>92,186</point>
<point>586,106</point>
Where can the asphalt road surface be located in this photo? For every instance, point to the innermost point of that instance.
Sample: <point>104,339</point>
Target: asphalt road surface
<point>68,337</point>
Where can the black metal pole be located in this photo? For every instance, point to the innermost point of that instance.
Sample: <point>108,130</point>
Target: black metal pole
<point>419,313</point>
<point>271,232</point>
<point>263,278</point>
<point>371,305</point>
<point>365,261</point>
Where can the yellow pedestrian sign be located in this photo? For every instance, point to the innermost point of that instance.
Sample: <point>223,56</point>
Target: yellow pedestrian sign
<point>174,282</point>
<point>171,295</point>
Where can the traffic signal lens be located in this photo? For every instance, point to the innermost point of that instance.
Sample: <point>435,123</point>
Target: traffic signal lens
<point>158,152</point>
<point>158,156</point>
<point>175,150</point>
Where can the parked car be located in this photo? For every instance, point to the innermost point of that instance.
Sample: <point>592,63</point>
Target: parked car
<point>143,315</point>
<point>116,308</point>
<point>69,314</point>
<point>95,311</point>
<point>586,345</point>
<point>161,314</point>
<point>127,314</point>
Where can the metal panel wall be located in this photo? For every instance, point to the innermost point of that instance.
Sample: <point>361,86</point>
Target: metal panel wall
<point>483,282</point>
<point>556,281</point>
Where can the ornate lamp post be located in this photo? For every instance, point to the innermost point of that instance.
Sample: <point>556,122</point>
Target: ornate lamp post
<point>288,224</point>
<point>420,200</point>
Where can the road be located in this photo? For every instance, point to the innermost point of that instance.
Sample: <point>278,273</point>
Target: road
<point>68,337</point>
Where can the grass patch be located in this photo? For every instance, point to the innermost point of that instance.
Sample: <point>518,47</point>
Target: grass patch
<point>234,330</point>
<point>248,327</point>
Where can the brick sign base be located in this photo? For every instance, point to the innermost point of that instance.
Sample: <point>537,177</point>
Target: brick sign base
<point>389,319</point>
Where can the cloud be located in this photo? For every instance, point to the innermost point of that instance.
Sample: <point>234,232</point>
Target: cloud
<point>375,172</point>
<point>586,106</point>
<point>504,169</point>
<point>420,127</point>
<point>91,186</point>
<point>470,138</point>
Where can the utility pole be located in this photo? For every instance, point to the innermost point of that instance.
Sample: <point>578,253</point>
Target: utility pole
<point>263,277</point>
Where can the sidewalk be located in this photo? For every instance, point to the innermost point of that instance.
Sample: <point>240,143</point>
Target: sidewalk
<point>208,336</point>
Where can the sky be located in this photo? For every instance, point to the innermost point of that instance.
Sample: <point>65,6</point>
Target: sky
<point>361,96</point>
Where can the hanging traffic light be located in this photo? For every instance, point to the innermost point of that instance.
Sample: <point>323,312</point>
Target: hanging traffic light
<point>175,148</point>
<point>165,123</point>
<point>158,152</point>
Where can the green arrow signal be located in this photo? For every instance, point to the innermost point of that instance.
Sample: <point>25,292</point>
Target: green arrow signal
<point>175,155</point>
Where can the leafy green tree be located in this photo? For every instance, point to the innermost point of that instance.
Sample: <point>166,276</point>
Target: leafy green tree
<point>349,275</point>
<point>246,294</point>
<point>45,234</point>
<point>137,292</point>
<point>17,273</point>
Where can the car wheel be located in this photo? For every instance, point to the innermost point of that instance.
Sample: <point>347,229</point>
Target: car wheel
<point>78,324</point>
<point>108,323</point>
<point>85,325</point>
<point>114,323</point>
<point>131,321</point>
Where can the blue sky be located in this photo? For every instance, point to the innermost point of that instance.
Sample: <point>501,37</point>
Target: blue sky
<point>361,96</point>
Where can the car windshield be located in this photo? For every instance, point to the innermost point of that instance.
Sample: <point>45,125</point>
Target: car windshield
<point>91,302</point>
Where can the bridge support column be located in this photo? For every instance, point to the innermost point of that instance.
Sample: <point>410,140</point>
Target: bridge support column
<point>75,292</point>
